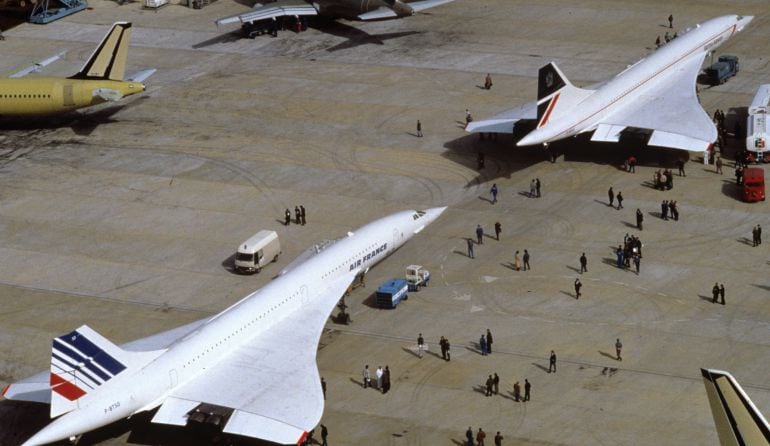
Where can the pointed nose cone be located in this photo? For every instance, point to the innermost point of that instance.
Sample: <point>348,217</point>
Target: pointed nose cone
<point>433,213</point>
<point>743,21</point>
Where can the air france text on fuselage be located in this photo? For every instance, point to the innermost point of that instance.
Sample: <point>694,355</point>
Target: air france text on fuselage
<point>369,256</point>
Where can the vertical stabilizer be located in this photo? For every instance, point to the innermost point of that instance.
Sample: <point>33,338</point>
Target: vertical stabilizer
<point>737,420</point>
<point>82,361</point>
<point>108,61</point>
<point>553,88</point>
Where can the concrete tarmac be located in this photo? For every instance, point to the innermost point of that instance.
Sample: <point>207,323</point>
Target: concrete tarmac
<point>126,217</point>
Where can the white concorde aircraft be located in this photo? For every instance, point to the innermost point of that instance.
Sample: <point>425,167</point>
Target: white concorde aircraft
<point>737,419</point>
<point>655,94</point>
<point>251,369</point>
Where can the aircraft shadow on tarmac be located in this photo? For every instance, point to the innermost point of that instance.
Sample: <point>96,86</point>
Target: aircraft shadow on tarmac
<point>20,420</point>
<point>502,157</point>
<point>355,37</point>
<point>82,123</point>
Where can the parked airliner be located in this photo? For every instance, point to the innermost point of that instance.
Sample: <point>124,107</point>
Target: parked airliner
<point>100,80</point>
<point>250,369</point>
<point>656,94</point>
<point>363,10</point>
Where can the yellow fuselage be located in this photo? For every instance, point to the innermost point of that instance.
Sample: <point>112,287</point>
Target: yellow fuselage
<point>48,96</point>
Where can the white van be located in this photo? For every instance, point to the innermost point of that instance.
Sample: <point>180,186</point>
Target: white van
<point>260,249</point>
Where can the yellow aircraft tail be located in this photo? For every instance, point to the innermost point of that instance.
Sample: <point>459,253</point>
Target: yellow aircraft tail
<point>737,419</point>
<point>108,61</point>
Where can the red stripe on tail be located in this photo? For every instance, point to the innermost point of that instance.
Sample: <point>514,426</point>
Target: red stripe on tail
<point>5,390</point>
<point>302,438</point>
<point>549,110</point>
<point>65,388</point>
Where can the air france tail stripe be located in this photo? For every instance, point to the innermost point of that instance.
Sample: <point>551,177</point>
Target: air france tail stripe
<point>76,364</point>
<point>89,349</point>
<point>65,389</point>
<point>72,355</point>
<point>5,390</point>
<point>70,368</point>
<point>101,357</point>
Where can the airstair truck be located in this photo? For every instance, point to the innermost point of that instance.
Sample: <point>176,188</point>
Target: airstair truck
<point>758,125</point>
<point>256,252</point>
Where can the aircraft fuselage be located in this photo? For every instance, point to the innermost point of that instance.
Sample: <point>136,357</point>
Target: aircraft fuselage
<point>639,79</point>
<point>47,95</point>
<point>255,314</point>
<point>351,9</point>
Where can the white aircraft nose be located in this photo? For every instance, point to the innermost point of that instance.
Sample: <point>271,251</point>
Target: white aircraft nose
<point>434,213</point>
<point>743,21</point>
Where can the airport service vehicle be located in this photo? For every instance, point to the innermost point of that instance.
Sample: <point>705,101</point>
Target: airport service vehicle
<point>737,419</point>
<point>753,184</point>
<point>654,96</point>
<point>391,293</point>
<point>256,252</point>
<point>333,9</point>
<point>416,277</point>
<point>252,366</point>
<point>100,80</point>
<point>757,125</point>
<point>725,68</point>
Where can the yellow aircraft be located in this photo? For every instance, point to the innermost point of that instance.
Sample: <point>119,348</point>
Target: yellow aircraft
<point>100,80</point>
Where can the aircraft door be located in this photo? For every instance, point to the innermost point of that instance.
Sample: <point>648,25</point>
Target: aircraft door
<point>173,378</point>
<point>396,238</point>
<point>68,95</point>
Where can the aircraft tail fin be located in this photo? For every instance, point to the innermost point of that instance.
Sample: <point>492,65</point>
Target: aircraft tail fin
<point>81,362</point>
<point>552,88</point>
<point>108,60</point>
<point>737,419</point>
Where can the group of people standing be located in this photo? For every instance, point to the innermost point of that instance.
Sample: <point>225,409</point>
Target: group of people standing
<point>381,378</point>
<point>299,216</point>
<point>669,208</point>
<point>631,251</point>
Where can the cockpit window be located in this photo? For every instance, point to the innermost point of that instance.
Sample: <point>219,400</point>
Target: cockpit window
<point>418,214</point>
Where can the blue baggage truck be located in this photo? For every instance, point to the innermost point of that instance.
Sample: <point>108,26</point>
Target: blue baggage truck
<point>390,293</point>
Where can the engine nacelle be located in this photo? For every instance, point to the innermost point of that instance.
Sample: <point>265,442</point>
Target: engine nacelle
<point>400,8</point>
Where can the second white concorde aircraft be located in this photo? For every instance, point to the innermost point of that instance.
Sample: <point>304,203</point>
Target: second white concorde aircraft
<point>655,94</point>
<point>251,367</point>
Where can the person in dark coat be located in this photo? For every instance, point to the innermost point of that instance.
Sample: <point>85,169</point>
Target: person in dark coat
<point>552,362</point>
<point>469,437</point>
<point>715,293</point>
<point>297,215</point>
<point>324,435</point>
<point>639,219</point>
<point>578,285</point>
<point>287,217</point>
<point>527,388</point>
<point>386,380</point>
<point>611,196</point>
<point>489,341</point>
<point>302,214</point>
<point>722,292</point>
